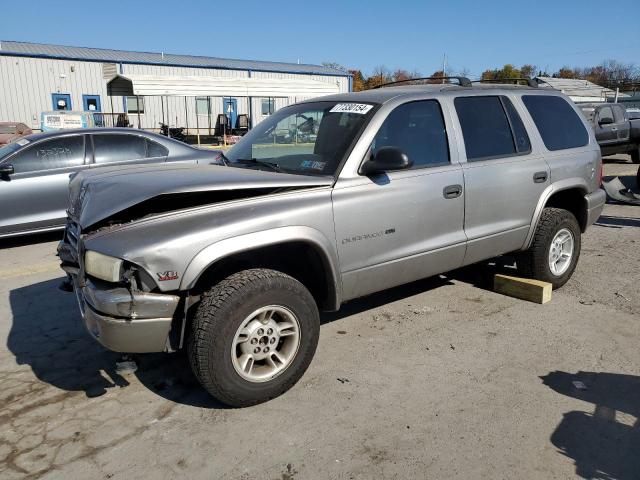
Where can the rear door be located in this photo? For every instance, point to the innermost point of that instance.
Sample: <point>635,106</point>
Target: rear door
<point>125,149</point>
<point>503,177</point>
<point>399,226</point>
<point>36,195</point>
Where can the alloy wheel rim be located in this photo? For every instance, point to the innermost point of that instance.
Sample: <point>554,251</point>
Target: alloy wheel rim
<point>561,252</point>
<point>265,343</point>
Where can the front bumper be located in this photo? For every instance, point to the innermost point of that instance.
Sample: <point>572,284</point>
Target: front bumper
<point>124,321</point>
<point>595,204</point>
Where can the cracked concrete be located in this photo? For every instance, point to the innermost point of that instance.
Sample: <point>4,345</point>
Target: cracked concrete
<point>441,379</point>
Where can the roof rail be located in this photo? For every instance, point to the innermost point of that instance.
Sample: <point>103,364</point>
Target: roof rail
<point>532,82</point>
<point>462,81</point>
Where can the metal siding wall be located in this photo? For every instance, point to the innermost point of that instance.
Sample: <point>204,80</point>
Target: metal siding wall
<point>27,85</point>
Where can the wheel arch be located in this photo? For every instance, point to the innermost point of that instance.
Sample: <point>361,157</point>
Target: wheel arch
<point>302,252</point>
<point>568,194</point>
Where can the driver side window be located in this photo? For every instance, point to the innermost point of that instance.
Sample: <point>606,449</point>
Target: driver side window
<point>61,152</point>
<point>418,129</point>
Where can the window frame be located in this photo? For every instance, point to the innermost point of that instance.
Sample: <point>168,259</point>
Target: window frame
<point>10,159</point>
<point>449,162</point>
<point>139,99</point>
<point>515,153</point>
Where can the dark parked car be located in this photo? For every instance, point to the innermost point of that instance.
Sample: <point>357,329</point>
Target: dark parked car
<point>34,170</point>
<point>11,131</point>
<point>615,131</point>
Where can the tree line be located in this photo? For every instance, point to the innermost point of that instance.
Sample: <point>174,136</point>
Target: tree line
<point>610,73</point>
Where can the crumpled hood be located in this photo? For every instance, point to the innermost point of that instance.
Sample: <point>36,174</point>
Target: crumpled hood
<point>97,194</point>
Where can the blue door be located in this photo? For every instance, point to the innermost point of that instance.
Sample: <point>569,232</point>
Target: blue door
<point>91,103</point>
<point>231,110</point>
<point>61,101</point>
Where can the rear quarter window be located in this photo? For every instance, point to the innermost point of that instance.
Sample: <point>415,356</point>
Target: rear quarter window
<point>558,123</point>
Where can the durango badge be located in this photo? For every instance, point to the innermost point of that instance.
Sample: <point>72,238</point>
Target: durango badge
<point>168,275</point>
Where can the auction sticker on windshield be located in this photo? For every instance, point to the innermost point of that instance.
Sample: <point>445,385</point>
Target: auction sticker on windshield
<point>360,108</point>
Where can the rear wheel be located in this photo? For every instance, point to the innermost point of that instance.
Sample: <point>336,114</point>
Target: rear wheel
<point>254,335</point>
<point>635,155</point>
<point>555,248</point>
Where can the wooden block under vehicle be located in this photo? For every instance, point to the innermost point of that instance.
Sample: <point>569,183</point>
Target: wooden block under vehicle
<point>523,288</point>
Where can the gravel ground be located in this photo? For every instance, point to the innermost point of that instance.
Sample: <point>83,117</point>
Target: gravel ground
<point>438,379</point>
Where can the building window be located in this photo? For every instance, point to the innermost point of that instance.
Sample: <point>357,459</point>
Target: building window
<point>135,105</point>
<point>268,106</point>
<point>202,106</point>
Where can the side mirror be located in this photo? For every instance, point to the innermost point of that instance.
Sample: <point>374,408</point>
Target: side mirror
<point>6,169</point>
<point>605,121</point>
<point>385,160</point>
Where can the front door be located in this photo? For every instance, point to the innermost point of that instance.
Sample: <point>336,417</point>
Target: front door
<point>231,110</point>
<point>61,101</point>
<point>503,177</point>
<point>605,126</point>
<point>38,190</point>
<point>396,227</point>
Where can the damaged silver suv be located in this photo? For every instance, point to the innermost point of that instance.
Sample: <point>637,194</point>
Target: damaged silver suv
<point>326,201</point>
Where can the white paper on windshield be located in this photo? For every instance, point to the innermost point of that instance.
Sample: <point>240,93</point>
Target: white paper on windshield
<point>360,108</point>
<point>22,142</point>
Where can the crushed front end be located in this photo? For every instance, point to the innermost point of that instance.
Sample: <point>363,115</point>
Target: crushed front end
<point>118,301</point>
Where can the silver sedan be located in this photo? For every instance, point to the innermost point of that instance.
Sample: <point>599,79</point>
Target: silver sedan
<point>35,170</point>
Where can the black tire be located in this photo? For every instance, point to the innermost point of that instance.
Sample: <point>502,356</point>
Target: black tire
<point>534,262</point>
<point>635,155</point>
<point>638,178</point>
<point>220,313</point>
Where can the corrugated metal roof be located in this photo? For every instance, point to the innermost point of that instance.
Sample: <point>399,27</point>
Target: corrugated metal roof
<point>8,47</point>
<point>577,88</point>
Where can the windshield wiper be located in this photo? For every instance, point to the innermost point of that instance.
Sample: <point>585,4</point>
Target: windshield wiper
<point>255,161</point>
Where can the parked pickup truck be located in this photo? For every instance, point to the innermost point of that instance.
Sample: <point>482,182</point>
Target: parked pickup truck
<point>615,131</point>
<point>235,261</point>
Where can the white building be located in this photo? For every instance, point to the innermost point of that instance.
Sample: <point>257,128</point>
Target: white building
<point>580,91</point>
<point>181,90</point>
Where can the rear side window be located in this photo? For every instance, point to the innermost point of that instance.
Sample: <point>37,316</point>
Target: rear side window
<point>61,152</point>
<point>418,129</point>
<point>118,148</point>
<point>491,127</point>
<point>155,149</point>
<point>559,125</point>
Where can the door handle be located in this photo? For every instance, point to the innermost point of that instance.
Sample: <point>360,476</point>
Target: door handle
<point>540,177</point>
<point>452,191</point>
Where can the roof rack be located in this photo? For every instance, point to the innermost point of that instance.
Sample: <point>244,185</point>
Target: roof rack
<point>462,81</point>
<point>532,82</point>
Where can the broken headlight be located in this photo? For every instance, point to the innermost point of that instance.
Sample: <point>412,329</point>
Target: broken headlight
<point>102,266</point>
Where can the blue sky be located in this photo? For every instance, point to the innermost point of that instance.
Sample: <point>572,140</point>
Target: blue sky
<point>475,35</point>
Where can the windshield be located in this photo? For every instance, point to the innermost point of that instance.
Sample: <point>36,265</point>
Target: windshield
<point>8,149</point>
<point>306,139</point>
<point>8,129</point>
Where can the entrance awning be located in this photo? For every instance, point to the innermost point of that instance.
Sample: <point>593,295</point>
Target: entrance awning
<point>204,86</point>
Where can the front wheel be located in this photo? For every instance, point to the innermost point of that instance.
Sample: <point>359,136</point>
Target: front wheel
<point>254,335</point>
<point>555,248</point>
